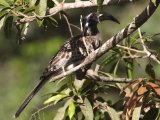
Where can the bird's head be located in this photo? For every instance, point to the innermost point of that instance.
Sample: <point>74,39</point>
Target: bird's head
<point>89,22</point>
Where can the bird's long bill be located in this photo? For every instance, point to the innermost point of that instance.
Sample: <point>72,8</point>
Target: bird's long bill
<point>103,17</point>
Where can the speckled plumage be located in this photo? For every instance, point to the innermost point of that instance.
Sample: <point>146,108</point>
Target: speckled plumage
<point>72,53</point>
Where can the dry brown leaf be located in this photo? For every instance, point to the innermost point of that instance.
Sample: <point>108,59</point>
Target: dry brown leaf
<point>132,98</point>
<point>154,87</point>
<point>141,90</point>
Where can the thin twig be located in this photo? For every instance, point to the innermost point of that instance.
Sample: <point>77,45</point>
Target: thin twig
<point>148,53</point>
<point>131,49</point>
<point>75,26</point>
<point>41,109</point>
<point>94,76</point>
<point>83,38</point>
<point>142,42</point>
<point>68,23</point>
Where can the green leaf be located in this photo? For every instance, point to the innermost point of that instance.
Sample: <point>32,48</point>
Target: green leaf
<point>110,59</point>
<point>110,94</point>
<point>113,67</point>
<point>53,21</point>
<point>61,111</point>
<point>129,68</point>
<point>134,37</point>
<point>55,98</point>
<point>71,109</point>
<point>59,85</point>
<point>78,84</point>
<point>154,2</point>
<point>87,110</point>
<point>32,3</point>
<point>8,26</point>
<point>4,3</point>
<point>113,114</point>
<point>3,13</point>
<point>47,21</point>
<point>41,8</point>
<point>40,22</point>
<point>99,4</point>
<point>2,22</point>
<point>136,113</point>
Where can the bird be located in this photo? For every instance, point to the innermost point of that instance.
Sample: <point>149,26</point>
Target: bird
<point>72,53</point>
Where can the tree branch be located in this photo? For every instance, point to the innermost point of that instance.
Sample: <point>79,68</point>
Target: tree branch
<point>145,51</point>
<point>137,22</point>
<point>82,4</point>
<point>148,53</point>
<point>94,76</point>
<point>65,6</point>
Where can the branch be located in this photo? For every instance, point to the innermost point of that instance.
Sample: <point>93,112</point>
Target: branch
<point>148,53</point>
<point>130,49</point>
<point>65,6</point>
<point>94,76</point>
<point>69,25</point>
<point>145,51</point>
<point>82,4</point>
<point>137,22</point>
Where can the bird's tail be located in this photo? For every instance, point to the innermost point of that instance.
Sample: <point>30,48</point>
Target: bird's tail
<point>29,97</point>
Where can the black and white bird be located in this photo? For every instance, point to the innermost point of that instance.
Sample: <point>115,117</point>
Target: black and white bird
<point>72,53</point>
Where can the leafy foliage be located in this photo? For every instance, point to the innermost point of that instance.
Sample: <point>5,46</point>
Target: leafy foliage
<point>20,13</point>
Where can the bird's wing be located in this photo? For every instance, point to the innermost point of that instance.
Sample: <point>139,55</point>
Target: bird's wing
<point>68,53</point>
<point>72,53</point>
